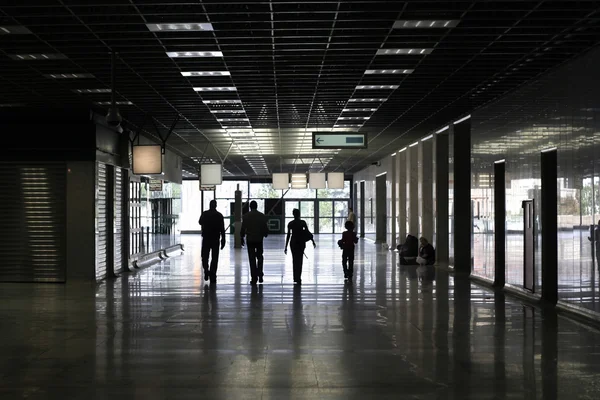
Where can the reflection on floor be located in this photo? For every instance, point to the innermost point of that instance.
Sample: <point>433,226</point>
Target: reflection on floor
<point>161,333</point>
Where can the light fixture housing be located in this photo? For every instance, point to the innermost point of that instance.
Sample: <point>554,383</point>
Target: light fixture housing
<point>316,180</point>
<point>388,71</point>
<point>193,54</point>
<point>281,181</point>
<point>425,23</point>
<point>299,181</point>
<point>206,73</point>
<point>180,27</point>
<point>403,52</point>
<point>335,180</point>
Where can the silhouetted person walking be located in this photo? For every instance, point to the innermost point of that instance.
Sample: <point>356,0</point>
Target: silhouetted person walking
<point>347,244</point>
<point>213,228</point>
<point>299,234</point>
<point>254,229</point>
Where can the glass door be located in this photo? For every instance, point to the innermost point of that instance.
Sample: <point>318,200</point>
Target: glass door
<point>325,216</point>
<point>340,215</point>
<point>307,212</point>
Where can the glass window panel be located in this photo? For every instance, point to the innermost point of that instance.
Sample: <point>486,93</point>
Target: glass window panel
<point>307,209</point>
<point>325,225</point>
<point>335,193</point>
<point>325,209</point>
<point>264,191</point>
<point>289,208</point>
<point>300,194</point>
<point>227,189</point>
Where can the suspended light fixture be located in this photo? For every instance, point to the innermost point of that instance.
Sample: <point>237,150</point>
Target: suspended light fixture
<point>335,180</point>
<point>299,181</point>
<point>316,180</point>
<point>281,181</point>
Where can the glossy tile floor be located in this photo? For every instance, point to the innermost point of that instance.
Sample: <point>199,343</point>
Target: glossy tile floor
<point>161,333</point>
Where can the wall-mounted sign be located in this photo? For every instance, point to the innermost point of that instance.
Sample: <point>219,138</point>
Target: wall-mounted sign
<point>156,185</point>
<point>339,140</point>
<point>147,159</point>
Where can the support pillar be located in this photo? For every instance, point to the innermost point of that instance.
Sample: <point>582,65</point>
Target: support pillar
<point>463,224</point>
<point>426,188</point>
<point>442,230</point>
<point>412,169</point>
<point>394,180</point>
<point>238,218</point>
<point>402,183</point>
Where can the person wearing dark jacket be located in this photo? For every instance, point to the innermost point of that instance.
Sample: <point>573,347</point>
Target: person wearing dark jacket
<point>254,229</point>
<point>213,228</point>
<point>297,235</point>
<point>426,251</point>
<point>409,250</point>
<point>347,244</point>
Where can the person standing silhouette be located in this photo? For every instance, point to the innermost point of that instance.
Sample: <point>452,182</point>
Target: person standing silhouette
<point>213,228</point>
<point>298,233</point>
<point>254,229</point>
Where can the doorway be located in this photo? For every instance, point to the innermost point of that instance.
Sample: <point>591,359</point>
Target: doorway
<point>381,209</point>
<point>307,212</point>
<point>528,245</point>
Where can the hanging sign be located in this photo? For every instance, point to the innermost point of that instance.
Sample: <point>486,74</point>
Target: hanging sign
<point>156,185</point>
<point>341,140</point>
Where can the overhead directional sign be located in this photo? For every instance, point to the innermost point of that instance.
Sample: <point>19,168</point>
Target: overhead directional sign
<point>339,140</point>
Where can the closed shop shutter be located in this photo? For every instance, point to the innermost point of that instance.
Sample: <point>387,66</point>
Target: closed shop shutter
<point>118,231</point>
<point>33,222</point>
<point>101,248</point>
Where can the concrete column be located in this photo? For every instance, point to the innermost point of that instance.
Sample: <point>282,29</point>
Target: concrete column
<point>426,188</point>
<point>401,176</point>
<point>463,223</point>
<point>238,218</point>
<point>442,230</point>
<point>394,213</point>
<point>412,170</point>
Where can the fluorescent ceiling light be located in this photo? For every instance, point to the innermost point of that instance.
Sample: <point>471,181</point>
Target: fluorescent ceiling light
<point>425,23</point>
<point>389,71</point>
<point>215,89</point>
<point>189,54</point>
<point>462,119</point>
<point>206,73</point>
<point>227,111</point>
<point>13,30</point>
<point>2,105</point>
<point>108,103</point>
<point>443,129</point>
<point>499,161</point>
<point>353,118</point>
<point>393,155</point>
<point>38,56</point>
<point>401,150</point>
<point>221,101</point>
<point>237,126</point>
<point>232,119</point>
<point>202,26</point>
<point>366,100</point>
<point>346,125</point>
<point>102,90</point>
<point>68,76</point>
<point>359,110</point>
<point>299,181</point>
<point>393,52</point>
<point>376,87</point>
<point>414,144</point>
<point>426,138</point>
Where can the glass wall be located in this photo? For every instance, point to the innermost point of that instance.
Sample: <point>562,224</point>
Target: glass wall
<point>561,110</point>
<point>331,217</point>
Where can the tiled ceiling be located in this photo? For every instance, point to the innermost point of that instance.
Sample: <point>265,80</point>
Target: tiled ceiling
<point>251,81</point>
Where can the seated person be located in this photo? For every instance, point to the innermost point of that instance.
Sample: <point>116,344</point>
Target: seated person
<point>409,250</point>
<point>427,252</point>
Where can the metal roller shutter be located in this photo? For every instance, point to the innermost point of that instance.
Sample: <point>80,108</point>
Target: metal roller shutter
<point>101,250</point>
<point>118,221</point>
<point>33,218</point>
